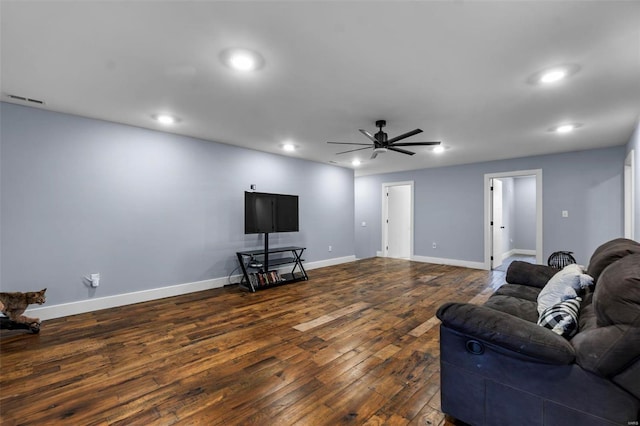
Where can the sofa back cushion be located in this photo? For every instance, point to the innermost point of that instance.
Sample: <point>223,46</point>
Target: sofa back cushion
<point>608,253</point>
<point>616,299</point>
<point>613,344</point>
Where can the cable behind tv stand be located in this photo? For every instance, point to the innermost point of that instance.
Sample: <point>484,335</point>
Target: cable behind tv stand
<point>260,269</point>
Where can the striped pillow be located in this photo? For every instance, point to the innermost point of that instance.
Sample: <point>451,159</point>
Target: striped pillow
<point>562,318</point>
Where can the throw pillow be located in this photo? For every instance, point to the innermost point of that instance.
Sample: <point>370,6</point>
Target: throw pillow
<point>562,318</point>
<point>562,286</point>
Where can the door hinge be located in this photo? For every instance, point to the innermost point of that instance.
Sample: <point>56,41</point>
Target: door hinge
<point>492,188</point>
<point>491,257</point>
<point>491,223</point>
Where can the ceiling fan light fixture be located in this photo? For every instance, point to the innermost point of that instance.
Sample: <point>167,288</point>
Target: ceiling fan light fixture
<point>380,149</point>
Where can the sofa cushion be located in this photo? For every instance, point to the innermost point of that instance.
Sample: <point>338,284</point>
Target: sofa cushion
<point>520,291</point>
<point>562,286</point>
<point>562,318</point>
<point>616,299</point>
<point>587,319</point>
<point>607,351</point>
<point>529,274</point>
<point>521,308</point>
<point>612,344</point>
<point>608,253</point>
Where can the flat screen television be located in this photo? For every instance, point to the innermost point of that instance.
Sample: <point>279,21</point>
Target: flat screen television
<point>267,213</point>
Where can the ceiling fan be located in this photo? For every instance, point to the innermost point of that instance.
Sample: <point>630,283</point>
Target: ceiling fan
<point>381,143</point>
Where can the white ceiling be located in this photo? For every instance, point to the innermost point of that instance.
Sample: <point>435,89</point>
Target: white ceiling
<point>459,70</point>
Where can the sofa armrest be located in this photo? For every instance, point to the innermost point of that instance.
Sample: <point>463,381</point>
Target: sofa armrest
<point>507,331</point>
<point>529,274</point>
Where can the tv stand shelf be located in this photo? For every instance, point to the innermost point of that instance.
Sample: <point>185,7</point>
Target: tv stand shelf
<point>257,267</point>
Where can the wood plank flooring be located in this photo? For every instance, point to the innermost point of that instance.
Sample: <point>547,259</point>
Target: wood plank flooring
<point>356,344</point>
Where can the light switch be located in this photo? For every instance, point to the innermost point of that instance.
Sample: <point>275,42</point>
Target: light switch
<point>565,213</point>
<point>364,224</point>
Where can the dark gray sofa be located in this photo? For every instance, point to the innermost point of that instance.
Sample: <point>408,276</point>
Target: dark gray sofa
<point>498,367</point>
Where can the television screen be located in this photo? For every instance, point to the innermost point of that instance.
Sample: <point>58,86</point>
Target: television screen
<point>267,213</point>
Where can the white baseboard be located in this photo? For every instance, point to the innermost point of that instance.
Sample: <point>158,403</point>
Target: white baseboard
<point>329,262</point>
<point>515,252</point>
<point>524,252</point>
<point>451,262</point>
<point>90,305</point>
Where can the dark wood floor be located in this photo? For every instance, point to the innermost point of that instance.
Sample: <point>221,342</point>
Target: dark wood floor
<point>356,344</point>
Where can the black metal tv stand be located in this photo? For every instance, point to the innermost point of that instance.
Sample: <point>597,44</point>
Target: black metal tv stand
<point>258,267</point>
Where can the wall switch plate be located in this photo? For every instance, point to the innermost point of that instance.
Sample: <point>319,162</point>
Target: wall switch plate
<point>364,224</point>
<point>565,213</point>
<point>434,245</point>
<point>330,248</point>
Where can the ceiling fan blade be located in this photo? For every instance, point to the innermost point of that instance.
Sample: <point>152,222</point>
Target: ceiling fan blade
<point>350,143</point>
<point>416,143</point>
<point>405,135</point>
<point>374,154</point>
<point>352,150</point>
<point>369,135</point>
<point>404,151</point>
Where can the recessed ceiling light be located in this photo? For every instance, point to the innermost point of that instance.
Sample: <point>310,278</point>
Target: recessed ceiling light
<point>289,147</point>
<point>553,76</point>
<point>243,60</point>
<point>549,76</point>
<point>165,119</point>
<point>565,128</point>
<point>356,163</point>
<point>438,149</point>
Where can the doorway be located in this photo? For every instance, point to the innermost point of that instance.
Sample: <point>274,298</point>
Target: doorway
<point>397,220</point>
<point>499,225</point>
<point>629,193</point>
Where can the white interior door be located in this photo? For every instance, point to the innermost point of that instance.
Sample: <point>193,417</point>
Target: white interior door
<point>397,219</point>
<point>497,221</point>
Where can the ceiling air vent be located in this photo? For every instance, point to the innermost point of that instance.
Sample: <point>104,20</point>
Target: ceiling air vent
<point>25,99</point>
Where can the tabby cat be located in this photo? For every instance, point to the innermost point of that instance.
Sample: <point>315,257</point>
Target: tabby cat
<point>15,303</point>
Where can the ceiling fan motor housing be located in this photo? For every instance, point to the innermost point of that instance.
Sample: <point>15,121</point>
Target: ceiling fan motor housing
<point>381,137</point>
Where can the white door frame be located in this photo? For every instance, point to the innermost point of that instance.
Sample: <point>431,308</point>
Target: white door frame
<point>629,195</point>
<point>383,245</point>
<point>488,237</point>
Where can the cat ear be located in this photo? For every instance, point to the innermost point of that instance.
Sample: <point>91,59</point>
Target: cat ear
<point>43,290</point>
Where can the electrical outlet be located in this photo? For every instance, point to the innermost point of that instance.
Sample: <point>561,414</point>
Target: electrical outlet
<point>95,280</point>
<point>434,245</point>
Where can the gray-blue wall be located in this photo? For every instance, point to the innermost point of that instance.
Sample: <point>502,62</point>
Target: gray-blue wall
<point>146,209</point>
<point>449,204</point>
